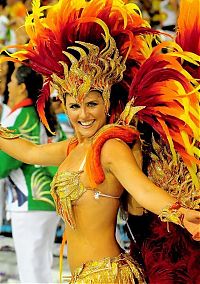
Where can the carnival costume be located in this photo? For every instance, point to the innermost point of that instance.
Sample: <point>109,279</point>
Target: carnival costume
<point>105,45</point>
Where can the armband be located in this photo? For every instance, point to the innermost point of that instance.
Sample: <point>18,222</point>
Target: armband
<point>171,214</point>
<point>7,133</point>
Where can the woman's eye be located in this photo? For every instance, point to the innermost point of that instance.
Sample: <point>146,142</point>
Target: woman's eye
<point>92,104</point>
<point>75,106</point>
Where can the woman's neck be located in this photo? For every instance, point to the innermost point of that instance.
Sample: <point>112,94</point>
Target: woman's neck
<point>85,141</point>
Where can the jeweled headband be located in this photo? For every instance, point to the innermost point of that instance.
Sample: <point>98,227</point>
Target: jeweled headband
<point>95,70</point>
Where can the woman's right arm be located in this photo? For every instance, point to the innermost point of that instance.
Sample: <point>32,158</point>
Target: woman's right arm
<point>51,154</point>
<point>120,161</point>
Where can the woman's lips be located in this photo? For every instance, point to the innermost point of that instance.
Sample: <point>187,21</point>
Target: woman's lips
<point>86,124</point>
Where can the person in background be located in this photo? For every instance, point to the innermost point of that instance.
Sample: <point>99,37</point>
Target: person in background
<point>33,217</point>
<point>16,13</point>
<point>7,33</point>
<point>3,23</point>
<point>3,80</point>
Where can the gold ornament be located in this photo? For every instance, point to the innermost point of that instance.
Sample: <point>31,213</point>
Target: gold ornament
<point>95,70</point>
<point>119,269</point>
<point>7,133</point>
<point>171,214</point>
<point>129,112</point>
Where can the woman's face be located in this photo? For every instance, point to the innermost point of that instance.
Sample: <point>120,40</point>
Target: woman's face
<point>2,85</point>
<point>15,90</point>
<point>12,87</point>
<point>88,116</point>
<point>3,76</point>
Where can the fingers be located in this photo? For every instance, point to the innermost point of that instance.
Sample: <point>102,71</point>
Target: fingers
<point>192,216</point>
<point>196,236</point>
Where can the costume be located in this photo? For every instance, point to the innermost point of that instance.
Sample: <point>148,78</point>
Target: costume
<point>30,205</point>
<point>105,45</point>
<point>120,269</point>
<point>179,260</point>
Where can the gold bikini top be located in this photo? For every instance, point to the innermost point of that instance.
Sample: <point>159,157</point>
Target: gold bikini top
<point>66,189</point>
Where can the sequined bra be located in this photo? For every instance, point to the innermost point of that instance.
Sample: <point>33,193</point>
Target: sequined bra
<point>67,188</point>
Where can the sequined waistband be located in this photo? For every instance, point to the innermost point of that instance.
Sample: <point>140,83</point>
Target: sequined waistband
<point>110,267</point>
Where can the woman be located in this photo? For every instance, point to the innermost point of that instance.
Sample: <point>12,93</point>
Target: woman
<point>98,164</point>
<point>87,118</point>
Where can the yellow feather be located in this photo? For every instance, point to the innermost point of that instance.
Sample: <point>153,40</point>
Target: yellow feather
<point>133,7</point>
<point>195,90</point>
<point>189,56</point>
<point>196,151</point>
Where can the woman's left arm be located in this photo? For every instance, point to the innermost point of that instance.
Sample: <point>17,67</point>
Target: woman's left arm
<point>118,157</point>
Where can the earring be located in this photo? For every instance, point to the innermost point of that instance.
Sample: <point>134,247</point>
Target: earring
<point>107,112</point>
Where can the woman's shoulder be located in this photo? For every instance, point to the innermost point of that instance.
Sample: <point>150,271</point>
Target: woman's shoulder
<point>113,149</point>
<point>114,144</point>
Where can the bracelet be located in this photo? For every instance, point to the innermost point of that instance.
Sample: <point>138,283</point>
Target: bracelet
<point>171,214</point>
<point>7,133</point>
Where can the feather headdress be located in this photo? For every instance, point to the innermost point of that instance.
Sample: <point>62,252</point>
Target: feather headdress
<point>93,22</point>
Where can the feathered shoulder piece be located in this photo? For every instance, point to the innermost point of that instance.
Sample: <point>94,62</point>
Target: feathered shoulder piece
<point>95,172</point>
<point>93,164</point>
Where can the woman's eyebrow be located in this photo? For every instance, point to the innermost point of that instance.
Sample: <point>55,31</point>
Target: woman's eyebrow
<point>92,101</point>
<point>71,104</point>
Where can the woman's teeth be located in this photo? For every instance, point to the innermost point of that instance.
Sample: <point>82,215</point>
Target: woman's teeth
<point>86,123</point>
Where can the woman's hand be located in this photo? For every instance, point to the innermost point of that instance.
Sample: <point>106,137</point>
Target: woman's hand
<point>191,222</point>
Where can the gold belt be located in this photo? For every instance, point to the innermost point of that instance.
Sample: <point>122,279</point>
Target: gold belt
<point>122,269</point>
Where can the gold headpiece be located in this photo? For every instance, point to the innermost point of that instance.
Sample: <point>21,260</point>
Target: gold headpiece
<point>95,70</point>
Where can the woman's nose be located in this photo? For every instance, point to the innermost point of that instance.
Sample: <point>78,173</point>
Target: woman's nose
<point>83,113</point>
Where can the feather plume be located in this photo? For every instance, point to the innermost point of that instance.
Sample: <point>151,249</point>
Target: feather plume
<point>188,32</point>
<point>171,102</point>
<point>170,257</point>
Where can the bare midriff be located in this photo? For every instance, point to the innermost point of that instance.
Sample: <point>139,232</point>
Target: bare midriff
<point>94,236</point>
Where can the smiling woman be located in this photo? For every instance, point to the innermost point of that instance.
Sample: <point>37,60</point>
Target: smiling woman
<point>99,54</point>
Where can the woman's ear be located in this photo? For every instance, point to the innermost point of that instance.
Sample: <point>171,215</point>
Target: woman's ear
<point>22,88</point>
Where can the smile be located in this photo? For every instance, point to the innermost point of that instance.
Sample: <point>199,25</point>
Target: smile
<point>86,124</point>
